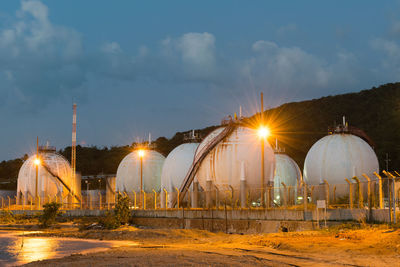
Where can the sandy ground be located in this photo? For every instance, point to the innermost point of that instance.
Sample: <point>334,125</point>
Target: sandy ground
<point>340,246</point>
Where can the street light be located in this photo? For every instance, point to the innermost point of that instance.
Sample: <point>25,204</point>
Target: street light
<point>141,155</point>
<point>37,162</point>
<point>263,133</point>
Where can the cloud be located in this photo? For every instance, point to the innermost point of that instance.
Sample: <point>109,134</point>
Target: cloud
<point>286,29</point>
<point>43,59</point>
<point>112,47</point>
<point>390,60</point>
<point>281,70</point>
<point>42,62</point>
<point>193,54</point>
<point>190,57</point>
<point>395,29</point>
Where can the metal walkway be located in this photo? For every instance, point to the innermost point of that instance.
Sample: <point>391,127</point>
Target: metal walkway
<point>199,159</point>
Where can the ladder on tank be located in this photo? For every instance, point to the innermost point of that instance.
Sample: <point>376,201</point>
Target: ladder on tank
<point>199,159</point>
<point>60,180</point>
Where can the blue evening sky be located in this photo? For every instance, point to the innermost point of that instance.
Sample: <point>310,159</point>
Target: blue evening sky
<point>135,67</point>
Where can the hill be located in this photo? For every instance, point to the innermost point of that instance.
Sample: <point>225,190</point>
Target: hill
<point>297,126</point>
<point>376,111</point>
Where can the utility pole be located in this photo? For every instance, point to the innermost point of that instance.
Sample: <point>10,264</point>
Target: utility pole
<point>73,148</point>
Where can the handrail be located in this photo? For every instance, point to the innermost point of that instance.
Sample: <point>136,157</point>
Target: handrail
<point>199,159</point>
<point>60,180</point>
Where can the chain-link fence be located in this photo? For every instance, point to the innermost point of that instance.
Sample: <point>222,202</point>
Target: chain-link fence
<point>356,192</point>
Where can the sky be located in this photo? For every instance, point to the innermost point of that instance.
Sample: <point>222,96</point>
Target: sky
<point>135,67</point>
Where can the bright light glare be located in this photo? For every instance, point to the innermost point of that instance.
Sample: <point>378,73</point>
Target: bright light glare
<point>264,132</point>
<point>36,161</point>
<point>141,153</point>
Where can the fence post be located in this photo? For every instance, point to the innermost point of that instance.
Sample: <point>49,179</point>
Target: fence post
<point>99,200</point>
<point>326,187</point>
<point>380,190</point>
<point>24,201</point>
<point>232,194</point>
<point>134,199</point>
<point>270,194</point>
<point>360,194</point>
<point>166,198</point>
<point>155,199</point>
<point>350,193</point>
<point>243,198</point>
<point>216,197</point>
<point>312,194</point>
<point>208,193</point>
<point>334,194</point>
<point>369,191</point>
<point>195,199</point>
<point>177,197</point>
<point>9,202</point>
<point>305,200</point>
<point>144,199</point>
<point>392,197</point>
<point>2,203</point>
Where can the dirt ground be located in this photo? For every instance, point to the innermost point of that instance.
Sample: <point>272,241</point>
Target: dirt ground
<point>346,245</point>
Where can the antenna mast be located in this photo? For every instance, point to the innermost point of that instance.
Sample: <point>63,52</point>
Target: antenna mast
<point>73,148</point>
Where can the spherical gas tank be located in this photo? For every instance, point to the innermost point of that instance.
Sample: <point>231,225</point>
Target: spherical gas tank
<point>286,171</point>
<point>241,149</point>
<point>177,165</point>
<point>48,185</point>
<point>339,156</point>
<point>129,171</point>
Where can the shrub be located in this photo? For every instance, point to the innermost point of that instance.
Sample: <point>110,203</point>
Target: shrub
<point>50,212</point>
<point>121,210</point>
<point>6,216</point>
<point>120,216</point>
<point>109,221</point>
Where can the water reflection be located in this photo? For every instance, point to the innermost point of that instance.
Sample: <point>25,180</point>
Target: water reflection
<point>17,249</point>
<point>34,249</point>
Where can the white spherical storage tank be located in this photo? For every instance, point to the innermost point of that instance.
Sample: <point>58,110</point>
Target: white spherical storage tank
<point>286,171</point>
<point>177,165</point>
<point>48,185</point>
<point>339,156</point>
<point>128,172</point>
<point>223,165</point>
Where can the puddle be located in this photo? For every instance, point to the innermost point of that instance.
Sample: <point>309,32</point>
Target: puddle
<point>16,249</point>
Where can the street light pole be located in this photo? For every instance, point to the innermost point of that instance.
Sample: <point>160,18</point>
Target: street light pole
<point>36,161</point>
<point>141,154</point>
<point>141,180</point>
<point>262,155</point>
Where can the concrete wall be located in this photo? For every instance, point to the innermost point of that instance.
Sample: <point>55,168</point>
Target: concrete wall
<point>340,215</point>
<point>238,221</point>
<point>269,215</point>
